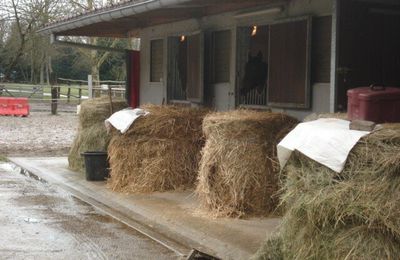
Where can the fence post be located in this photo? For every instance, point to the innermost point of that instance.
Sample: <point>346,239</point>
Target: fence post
<point>90,86</point>
<point>54,95</point>
<point>80,92</point>
<point>109,96</point>
<point>69,92</point>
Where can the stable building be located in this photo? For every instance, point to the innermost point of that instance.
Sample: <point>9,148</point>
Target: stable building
<point>294,56</point>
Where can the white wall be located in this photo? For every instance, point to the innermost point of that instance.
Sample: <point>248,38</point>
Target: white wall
<point>320,102</point>
<point>156,92</point>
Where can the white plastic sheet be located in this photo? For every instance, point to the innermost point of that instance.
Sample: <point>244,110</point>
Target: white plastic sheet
<point>123,119</point>
<point>327,141</point>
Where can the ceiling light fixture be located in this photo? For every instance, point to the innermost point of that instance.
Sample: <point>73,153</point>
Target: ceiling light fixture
<point>254,30</point>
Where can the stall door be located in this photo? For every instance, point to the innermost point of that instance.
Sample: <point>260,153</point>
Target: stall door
<point>220,52</point>
<point>252,66</point>
<point>369,47</point>
<point>195,68</point>
<point>176,77</point>
<point>185,68</point>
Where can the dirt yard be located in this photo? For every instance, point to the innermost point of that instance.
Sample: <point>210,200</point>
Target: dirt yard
<point>39,134</point>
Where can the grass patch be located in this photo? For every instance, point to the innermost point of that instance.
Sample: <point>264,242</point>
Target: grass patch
<point>3,158</point>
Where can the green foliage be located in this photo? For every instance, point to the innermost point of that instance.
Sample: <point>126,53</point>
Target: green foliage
<point>68,63</point>
<point>114,68</point>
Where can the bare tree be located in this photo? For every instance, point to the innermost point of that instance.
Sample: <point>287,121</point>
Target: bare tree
<point>97,58</point>
<point>23,18</point>
<point>24,27</point>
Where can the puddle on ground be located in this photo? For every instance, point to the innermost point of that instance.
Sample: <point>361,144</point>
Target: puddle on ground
<point>95,216</point>
<point>31,220</point>
<point>10,167</point>
<point>53,224</point>
<point>6,166</point>
<point>41,199</point>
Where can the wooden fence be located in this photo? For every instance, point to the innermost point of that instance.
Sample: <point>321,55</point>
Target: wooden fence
<point>68,90</point>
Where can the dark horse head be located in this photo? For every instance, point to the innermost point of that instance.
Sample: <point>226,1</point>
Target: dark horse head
<point>255,76</point>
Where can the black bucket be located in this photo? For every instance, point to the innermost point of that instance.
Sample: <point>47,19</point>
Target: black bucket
<point>96,164</point>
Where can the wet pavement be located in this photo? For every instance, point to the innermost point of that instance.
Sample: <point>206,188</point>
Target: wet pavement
<point>40,221</point>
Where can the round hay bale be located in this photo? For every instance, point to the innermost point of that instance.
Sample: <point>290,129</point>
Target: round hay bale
<point>92,134</point>
<point>354,214</point>
<point>159,152</point>
<point>97,110</point>
<point>271,249</point>
<point>94,138</point>
<point>238,169</point>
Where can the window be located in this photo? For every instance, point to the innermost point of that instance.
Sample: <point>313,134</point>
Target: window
<point>289,58</point>
<point>221,56</point>
<point>156,60</point>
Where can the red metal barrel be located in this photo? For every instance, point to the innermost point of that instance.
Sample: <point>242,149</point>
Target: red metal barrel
<point>375,103</point>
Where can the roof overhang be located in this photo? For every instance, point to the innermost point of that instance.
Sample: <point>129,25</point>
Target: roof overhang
<point>118,21</point>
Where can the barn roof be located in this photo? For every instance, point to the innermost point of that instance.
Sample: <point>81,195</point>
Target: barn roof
<point>119,19</point>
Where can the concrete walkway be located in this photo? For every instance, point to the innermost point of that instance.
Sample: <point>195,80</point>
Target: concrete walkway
<point>42,221</point>
<point>170,218</point>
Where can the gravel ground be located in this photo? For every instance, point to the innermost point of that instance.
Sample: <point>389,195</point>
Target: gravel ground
<point>39,134</point>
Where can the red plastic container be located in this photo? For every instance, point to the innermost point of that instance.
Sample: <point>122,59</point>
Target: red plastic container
<point>375,103</point>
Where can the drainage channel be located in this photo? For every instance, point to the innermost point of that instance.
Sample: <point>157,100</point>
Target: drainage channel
<point>182,251</point>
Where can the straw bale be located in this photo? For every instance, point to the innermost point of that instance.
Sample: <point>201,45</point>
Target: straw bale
<point>271,249</point>
<point>93,138</point>
<point>315,116</point>
<point>159,152</point>
<point>92,134</point>
<point>98,109</point>
<point>351,215</point>
<point>238,169</point>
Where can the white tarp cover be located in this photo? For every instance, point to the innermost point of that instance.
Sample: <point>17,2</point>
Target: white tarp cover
<point>123,119</point>
<point>327,141</point>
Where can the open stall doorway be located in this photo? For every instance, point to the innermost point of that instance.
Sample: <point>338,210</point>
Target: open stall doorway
<point>185,68</point>
<point>253,52</point>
